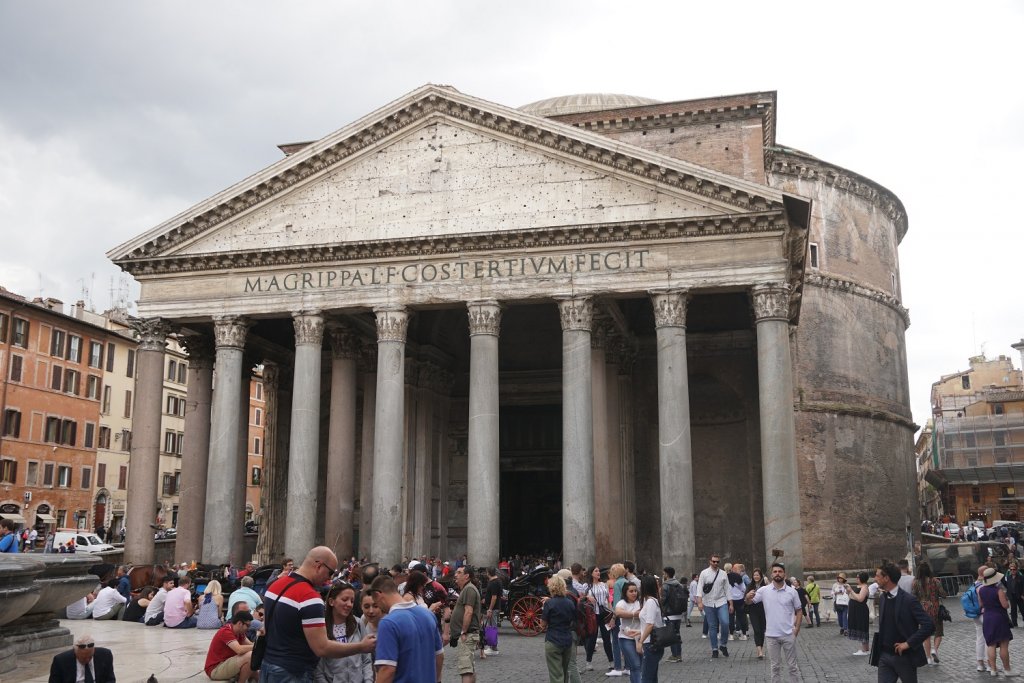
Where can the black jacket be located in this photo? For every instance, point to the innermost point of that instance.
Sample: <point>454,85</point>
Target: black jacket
<point>63,669</point>
<point>912,624</point>
<point>1014,584</point>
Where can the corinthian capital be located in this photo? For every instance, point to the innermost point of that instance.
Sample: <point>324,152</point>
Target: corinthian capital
<point>577,313</point>
<point>771,301</point>
<point>309,327</point>
<point>229,331</point>
<point>344,343</point>
<point>484,317</point>
<point>152,333</point>
<point>669,307</point>
<point>392,323</point>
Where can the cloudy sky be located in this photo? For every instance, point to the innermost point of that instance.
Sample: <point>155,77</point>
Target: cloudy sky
<point>115,116</point>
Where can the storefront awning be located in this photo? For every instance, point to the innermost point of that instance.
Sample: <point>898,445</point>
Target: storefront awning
<point>46,519</point>
<point>17,519</point>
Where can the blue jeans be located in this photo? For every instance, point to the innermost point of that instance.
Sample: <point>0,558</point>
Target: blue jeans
<point>631,658</point>
<point>616,650</point>
<point>717,619</point>
<point>649,667</point>
<point>841,616</point>
<point>270,673</point>
<point>677,649</point>
<point>187,622</point>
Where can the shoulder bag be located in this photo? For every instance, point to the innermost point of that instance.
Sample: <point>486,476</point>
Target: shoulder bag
<point>259,645</point>
<point>708,586</point>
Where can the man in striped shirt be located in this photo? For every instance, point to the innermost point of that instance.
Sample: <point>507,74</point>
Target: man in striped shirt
<point>296,629</point>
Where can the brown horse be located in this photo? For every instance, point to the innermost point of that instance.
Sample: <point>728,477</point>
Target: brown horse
<point>146,575</point>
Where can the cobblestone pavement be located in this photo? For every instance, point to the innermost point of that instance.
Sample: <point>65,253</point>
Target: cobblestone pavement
<point>824,655</point>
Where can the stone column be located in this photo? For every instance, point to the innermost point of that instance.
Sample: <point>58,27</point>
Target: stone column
<point>425,402</point>
<point>269,493</point>
<point>606,506</point>
<point>578,540</point>
<point>675,460</point>
<point>341,447</point>
<point>386,529</point>
<point>145,451</point>
<point>779,478</point>
<point>242,453</point>
<point>305,434</point>
<point>366,451</point>
<point>224,497</point>
<point>195,457</point>
<point>627,457</point>
<point>613,462</point>
<point>483,502</point>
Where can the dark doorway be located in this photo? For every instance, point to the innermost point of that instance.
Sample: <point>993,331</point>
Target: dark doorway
<point>531,479</point>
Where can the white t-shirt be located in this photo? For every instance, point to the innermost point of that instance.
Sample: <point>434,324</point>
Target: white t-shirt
<point>840,593</point>
<point>105,601</point>
<point>650,614</point>
<point>719,582</point>
<point>625,623</point>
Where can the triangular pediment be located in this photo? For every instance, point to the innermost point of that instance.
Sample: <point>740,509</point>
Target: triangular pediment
<point>438,163</point>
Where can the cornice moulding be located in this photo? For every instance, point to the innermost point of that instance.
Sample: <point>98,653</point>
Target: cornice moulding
<point>823,281</point>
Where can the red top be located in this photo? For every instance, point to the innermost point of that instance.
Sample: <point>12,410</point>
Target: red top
<point>219,650</point>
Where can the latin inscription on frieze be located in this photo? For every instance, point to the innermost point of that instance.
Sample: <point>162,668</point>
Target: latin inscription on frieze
<point>454,271</point>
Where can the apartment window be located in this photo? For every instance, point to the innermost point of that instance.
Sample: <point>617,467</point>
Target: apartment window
<point>126,440</point>
<point>63,476</point>
<point>96,354</point>
<point>259,391</point>
<point>256,445</point>
<point>127,403</point>
<point>122,477</point>
<point>68,432</point>
<point>258,417</point>
<point>5,323</point>
<point>256,476</point>
<point>16,365</point>
<point>8,471</point>
<point>182,372</point>
<point>32,473</point>
<point>62,518</point>
<point>969,440</point>
<point>101,475</point>
<point>72,382</point>
<point>177,481</point>
<point>965,381</point>
<point>52,433</point>
<point>999,438</point>
<point>997,409</point>
<point>131,363</point>
<point>48,475</point>
<point>12,423</point>
<point>104,440</point>
<point>92,387</point>
<point>110,356</point>
<point>20,337</point>
<point>74,348</point>
<point>813,255</point>
<point>170,442</point>
<point>90,434</point>
<point>975,494</point>
<point>168,484</point>
<point>176,405</point>
<point>58,343</point>
<point>86,477</point>
<point>105,406</point>
<point>57,378</point>
<point>172,370</point>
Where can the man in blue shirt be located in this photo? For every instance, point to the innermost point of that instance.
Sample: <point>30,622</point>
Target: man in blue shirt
<point>8,538</point>
<point>409,648</point>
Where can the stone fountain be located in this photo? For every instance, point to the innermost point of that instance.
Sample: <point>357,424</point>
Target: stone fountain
<point>18,594</point>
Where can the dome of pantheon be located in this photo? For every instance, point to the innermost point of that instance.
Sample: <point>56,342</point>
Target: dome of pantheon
<point>575,104</point>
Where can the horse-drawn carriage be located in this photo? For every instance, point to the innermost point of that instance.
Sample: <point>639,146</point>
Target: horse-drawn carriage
<point>525,601</point>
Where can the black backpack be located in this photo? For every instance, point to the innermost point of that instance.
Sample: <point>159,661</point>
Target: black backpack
<point>586,617</point>
<point>674,602</point>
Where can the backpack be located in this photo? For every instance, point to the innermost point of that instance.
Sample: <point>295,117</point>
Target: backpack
<point>970,603</point>
<point>586,617</point>
<point>675,599</point>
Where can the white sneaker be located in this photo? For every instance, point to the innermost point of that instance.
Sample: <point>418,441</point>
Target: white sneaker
<point>743,637</point>
<point>488,652</point>
<point>704,635</point>
<point>589,667</point>
<point>860,653</point>
<point>732,636</point>
<point>614,672</point>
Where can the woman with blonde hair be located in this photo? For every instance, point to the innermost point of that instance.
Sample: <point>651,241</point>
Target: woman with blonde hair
<point>211,608</point>
<point>558,616</point>
<point>616,582</point>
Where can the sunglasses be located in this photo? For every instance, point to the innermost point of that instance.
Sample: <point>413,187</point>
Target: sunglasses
<point>85,646</point>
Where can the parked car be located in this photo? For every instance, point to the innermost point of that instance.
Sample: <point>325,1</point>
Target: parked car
<point>960,559</point>
<point>85,541</point>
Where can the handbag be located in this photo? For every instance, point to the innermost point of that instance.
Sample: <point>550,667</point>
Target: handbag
<point>944,614</point>
<point>708,586</point>
<point>491,633</point>
<point>664,636</point>
<point>876,650</point>
<point>259,645</point>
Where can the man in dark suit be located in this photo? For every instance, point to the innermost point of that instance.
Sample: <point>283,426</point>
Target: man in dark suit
<point>84,662</point>
<point>903,626</point>
<point>1014,583</point>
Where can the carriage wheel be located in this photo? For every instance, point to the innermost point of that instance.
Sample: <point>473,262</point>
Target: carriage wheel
<point>525,616</point>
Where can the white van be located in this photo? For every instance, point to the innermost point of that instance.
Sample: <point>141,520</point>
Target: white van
<point>85,541</point>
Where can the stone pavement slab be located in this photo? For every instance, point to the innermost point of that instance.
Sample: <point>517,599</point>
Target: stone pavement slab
<point>824,655</point>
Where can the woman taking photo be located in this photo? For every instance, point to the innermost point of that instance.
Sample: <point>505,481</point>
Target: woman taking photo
<point>343,627</point>
<point>858,625</point>
<point>841,601</point>
<point>559,618</point>
<point>927,589</point>
<point>628,612</point>
<point>599,591</point>
<point>211,607</point>
<point>756,612</point>
<point>650,619</point>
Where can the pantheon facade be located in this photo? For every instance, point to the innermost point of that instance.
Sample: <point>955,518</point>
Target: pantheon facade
<point>599,326</point>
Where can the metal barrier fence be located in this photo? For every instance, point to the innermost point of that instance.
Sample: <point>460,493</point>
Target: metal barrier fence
<point>953,585</point>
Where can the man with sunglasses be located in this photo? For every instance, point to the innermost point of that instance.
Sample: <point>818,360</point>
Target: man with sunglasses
<point>713,600</point>
<point>83,662</point>
<point>296,628</point>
